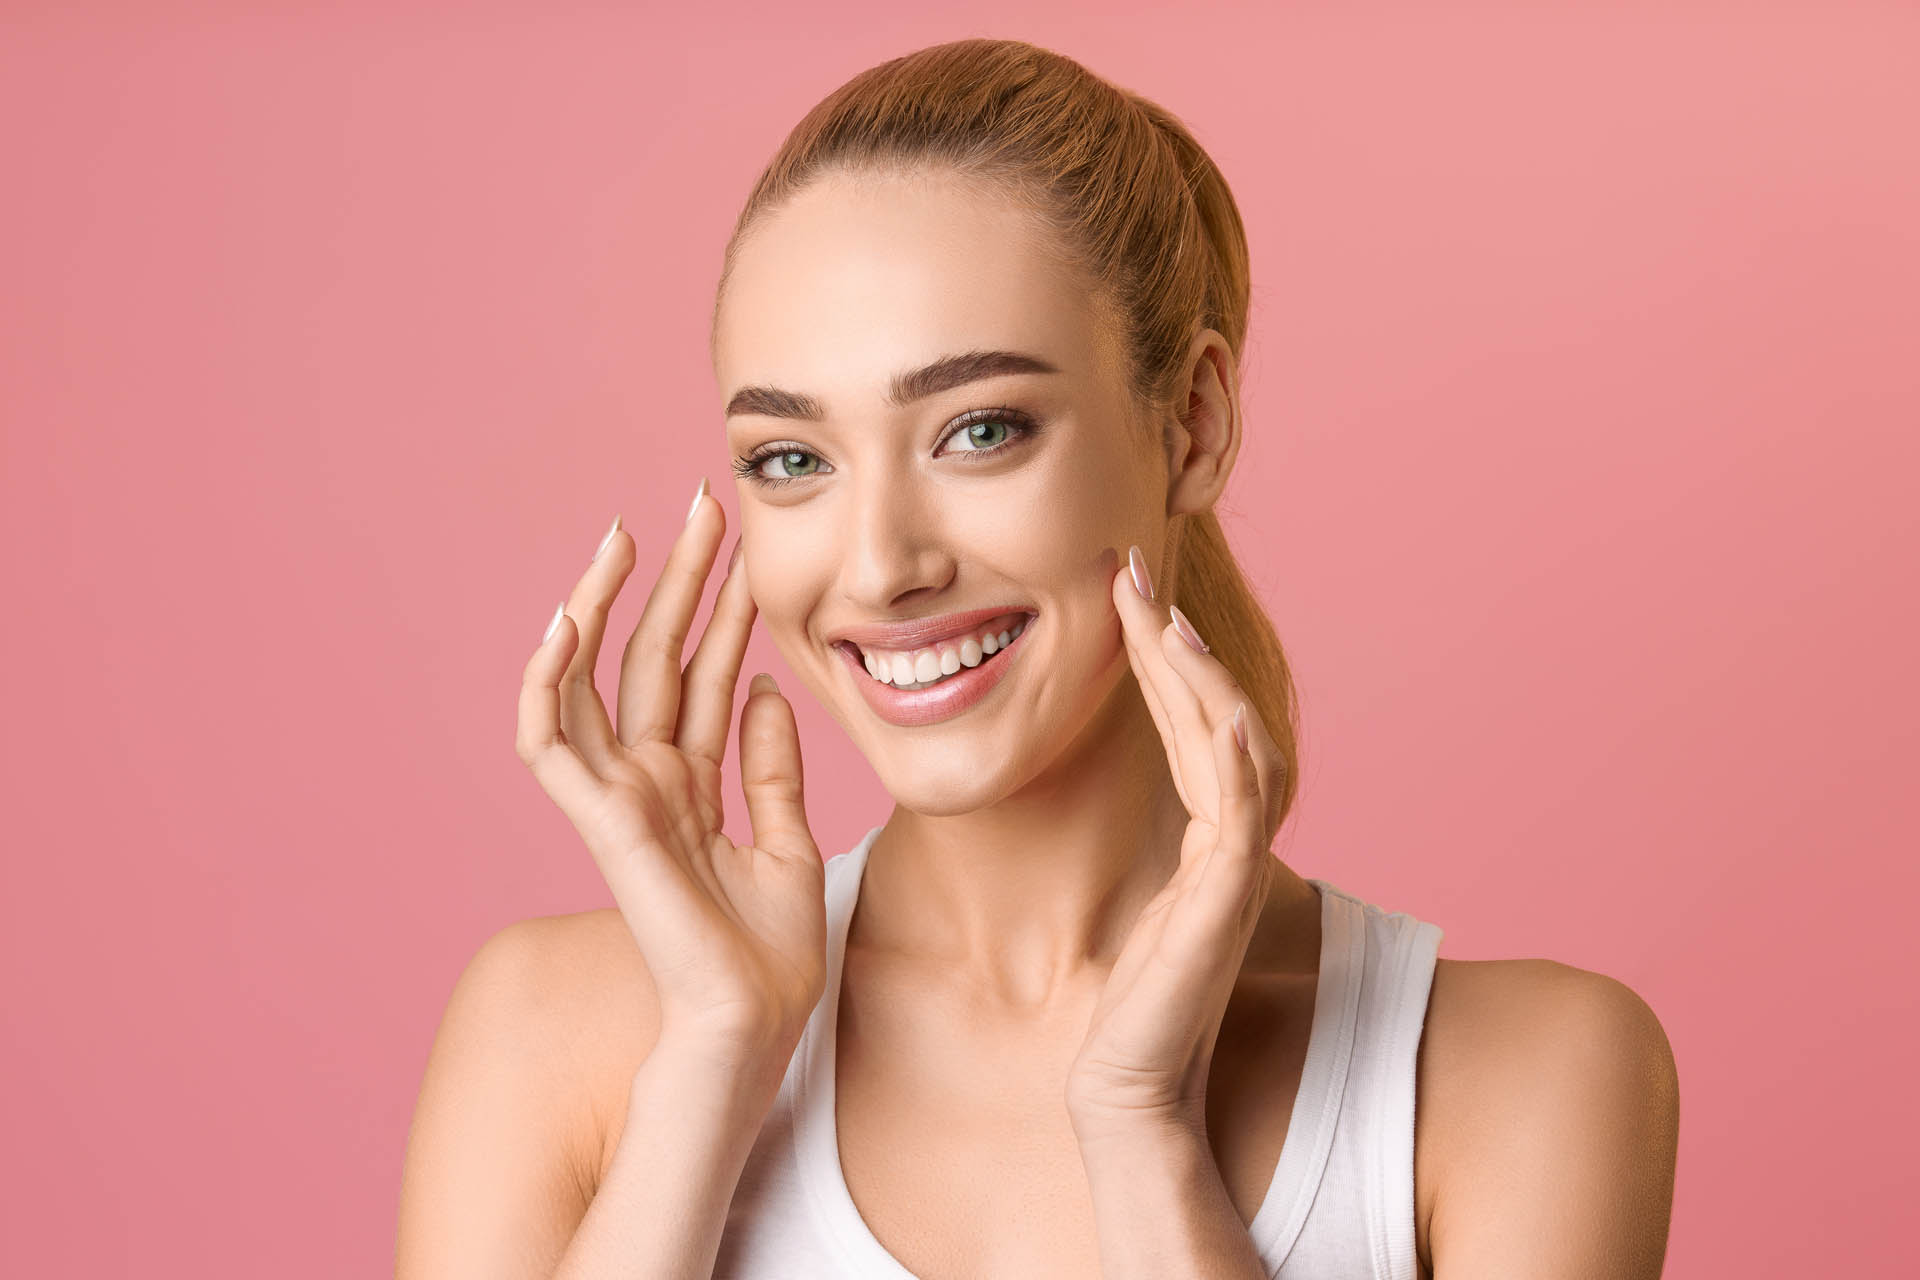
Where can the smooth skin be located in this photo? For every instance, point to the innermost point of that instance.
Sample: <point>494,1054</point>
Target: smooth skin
<point>1072,943</point>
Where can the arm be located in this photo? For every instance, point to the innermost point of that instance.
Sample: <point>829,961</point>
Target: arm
<point>1561,1162</point>
<point>502,1154</point>
<point>1160,1207</point>
<point>660,1213</point>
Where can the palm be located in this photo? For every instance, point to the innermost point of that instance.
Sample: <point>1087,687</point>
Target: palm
<point>744,912</point>
<point>1160,971</point>
<point>733,935</point>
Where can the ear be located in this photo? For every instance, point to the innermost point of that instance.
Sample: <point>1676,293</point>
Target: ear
<point>1204,439</point>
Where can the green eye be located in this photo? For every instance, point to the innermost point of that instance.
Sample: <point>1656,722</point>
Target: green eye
<point>792,454</point>
<point>980,434</point>
<point>986,431</point>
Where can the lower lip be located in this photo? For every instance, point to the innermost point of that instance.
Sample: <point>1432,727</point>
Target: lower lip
<point>959,691</point>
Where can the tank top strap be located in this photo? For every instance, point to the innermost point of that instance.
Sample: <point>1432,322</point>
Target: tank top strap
<point>1374,1139</point>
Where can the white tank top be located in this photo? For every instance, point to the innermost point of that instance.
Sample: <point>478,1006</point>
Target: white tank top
<point>1341,1199</point>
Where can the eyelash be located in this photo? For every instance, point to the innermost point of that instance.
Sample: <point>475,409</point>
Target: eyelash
<point>1022,427</point>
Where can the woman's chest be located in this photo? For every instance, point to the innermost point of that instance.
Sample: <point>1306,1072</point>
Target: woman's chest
<point>955,1146</point>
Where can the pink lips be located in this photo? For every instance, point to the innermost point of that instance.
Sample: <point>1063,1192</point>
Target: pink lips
<point>916,633</point>
<point>910,707</point>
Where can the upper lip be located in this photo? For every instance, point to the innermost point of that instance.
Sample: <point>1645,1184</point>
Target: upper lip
<point>912,633</point>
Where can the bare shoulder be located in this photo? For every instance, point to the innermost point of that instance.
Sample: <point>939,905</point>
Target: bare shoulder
<point>598,1004</point>
<point>1546,1093</point>
<point>582,999</point>
<point>507,1144</point>
<point>583,955</point>
<point>1479,1005</point>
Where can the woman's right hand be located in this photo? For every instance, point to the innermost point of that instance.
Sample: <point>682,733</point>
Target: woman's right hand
<point>733,936</point>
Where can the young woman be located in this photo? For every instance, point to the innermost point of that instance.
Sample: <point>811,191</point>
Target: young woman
<point>1063,1013</point>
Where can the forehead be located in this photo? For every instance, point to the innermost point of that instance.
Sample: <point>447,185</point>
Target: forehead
<point>856,278</point>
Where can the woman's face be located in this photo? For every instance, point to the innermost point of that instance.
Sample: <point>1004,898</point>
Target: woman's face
<point>1013,493</point>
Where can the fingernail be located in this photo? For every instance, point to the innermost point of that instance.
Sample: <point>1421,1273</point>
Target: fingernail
<point>754,686</point>
<point>557,611</point>
<point>1240,728</point>
<point>609,538</point>
<point>698,494</point>
<point>1142,582</point>
<point>734,559</point>
<point>1187,632</point>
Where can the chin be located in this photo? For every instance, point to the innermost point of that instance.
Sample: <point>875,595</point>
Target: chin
<point>949,789</point>
<point>941,804</point>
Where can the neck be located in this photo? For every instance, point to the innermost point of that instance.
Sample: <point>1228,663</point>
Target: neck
<point>1028,901</point>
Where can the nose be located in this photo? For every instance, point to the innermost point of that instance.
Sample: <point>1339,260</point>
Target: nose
<point>895,543</point>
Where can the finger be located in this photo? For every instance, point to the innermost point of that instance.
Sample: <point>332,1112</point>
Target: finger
<point>1147,623</point>
<point>538,738</point>
<point>1123,583</point>
<point>1176,687</point>
<point>585,715</point>
<point>770,772</point>
<point>1141,620</point>
<point>715,670</point>
<point>1224,894</point>
<point>650,666</point>
<point>1209,686</point>
<point>1213,692</point>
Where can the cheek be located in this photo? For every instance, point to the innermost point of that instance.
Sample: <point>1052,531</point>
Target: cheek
<point>789,573</point>
<point>1070,512</point>
<point>777,591</point>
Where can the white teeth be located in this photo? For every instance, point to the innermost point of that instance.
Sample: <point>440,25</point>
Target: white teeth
<point>927,666</point>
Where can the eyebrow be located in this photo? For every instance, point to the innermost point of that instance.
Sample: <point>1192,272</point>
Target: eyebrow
<point>943,374</point>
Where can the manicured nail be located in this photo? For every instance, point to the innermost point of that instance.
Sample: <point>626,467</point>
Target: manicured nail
<point>754,685</point>
<point>1142,581</point>
<point>1240,728</point>
<point>1187,632</point>
<point>609,538</point>
<point>698,494</point>
<point>557,611</point>
<point>734,559</point>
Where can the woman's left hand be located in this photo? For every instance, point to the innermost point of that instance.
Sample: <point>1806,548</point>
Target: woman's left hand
<point>1149,1044</point>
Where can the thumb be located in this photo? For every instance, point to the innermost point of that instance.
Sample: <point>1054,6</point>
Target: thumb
<point>770,772</point>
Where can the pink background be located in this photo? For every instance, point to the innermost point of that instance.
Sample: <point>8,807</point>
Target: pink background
<point>1583,396</point>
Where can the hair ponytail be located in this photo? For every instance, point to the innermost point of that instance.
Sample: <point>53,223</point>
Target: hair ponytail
<point>1208,583</point>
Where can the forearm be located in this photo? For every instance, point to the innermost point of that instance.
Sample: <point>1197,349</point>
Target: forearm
<point>660,1211</point>
<point>1161,1209</point>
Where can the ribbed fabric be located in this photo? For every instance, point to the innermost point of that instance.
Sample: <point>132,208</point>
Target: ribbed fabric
<point>1341,1199</point>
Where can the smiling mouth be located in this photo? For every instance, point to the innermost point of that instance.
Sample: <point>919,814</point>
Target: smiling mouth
<point>929,665</point>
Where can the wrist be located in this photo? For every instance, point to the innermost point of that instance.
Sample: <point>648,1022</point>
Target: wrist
<point>705,1071</point>
<point>1137,1126</point>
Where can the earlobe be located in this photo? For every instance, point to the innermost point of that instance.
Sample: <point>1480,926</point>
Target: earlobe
<point>1208,427</point>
